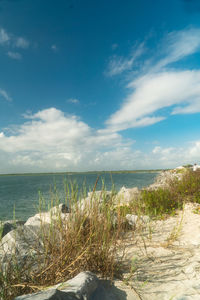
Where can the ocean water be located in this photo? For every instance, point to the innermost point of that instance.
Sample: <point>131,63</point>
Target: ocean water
<point>20,194</point>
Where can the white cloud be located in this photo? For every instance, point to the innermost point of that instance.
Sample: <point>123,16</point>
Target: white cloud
<point>5,95</point>
<point>179,44</point>
<point>161,87</point>
<point>179,90</point>
<point>175,156</point>
<point>4,37</point>
<point>21,42</point>
<point>118,64</point>
<point>73,101</point>
<point>10,41</point>
<point>14,55</point>
<point>50,140</point>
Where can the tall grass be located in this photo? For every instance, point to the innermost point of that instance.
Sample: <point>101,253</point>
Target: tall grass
<point>86,239</point>
<point>1,229</point>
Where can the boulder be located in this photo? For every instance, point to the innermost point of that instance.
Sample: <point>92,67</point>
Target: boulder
<point>126,195</point>
<point>20,246</point>
<point>61,211</point>
<point>80,287</point>
<point>133,219</point>
<point>25,242</point>
<point>101,197</point>
<point>164,178</point>
<point>9,225</point>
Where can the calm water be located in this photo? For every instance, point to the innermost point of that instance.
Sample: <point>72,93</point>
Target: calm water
<point>22,191</point>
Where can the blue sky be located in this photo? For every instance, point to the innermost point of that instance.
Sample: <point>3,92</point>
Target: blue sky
<point>99,85</point>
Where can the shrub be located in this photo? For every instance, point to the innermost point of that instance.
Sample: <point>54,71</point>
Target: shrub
<point>188,188</point>
<point>159,202</point>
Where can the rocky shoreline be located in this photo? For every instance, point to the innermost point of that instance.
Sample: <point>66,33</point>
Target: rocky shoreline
<point>16,242</point>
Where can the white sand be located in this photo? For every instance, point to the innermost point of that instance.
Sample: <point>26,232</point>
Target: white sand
<point>167,260</point>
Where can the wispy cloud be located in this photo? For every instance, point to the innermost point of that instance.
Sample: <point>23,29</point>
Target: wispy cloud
<point>114,46</point>
<point>73,101</point>
<point>178,45</point>
<point>14,55</point>
<point>119,64</point>
<point>21,42</point>
<point>5,95</point>
<point>54,48</point>
<point>11,41</point>
<point>4,37</point>
<point>162,86</point>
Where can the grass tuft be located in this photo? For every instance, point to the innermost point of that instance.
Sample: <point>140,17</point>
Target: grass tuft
<point>85,240</point>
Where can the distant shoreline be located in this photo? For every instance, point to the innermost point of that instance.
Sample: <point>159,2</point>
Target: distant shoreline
<point>87,172</point>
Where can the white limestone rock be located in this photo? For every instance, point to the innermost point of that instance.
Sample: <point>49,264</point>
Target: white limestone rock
<point>126,195</point>
<point>80,287</point>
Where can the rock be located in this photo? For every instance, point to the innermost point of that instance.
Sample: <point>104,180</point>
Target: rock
<point>164,178</point>
<point>51,294</point>
<point>133,219</point>
<point>61,208</point>
<point>80,287</point>
<point>23,244</point>
<point>125,195</point>
<point>61,211</point>
<point>9,225</point>
<point>98,196</point>
<point>26,242</point>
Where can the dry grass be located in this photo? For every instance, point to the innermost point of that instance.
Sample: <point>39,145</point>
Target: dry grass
<point>87,240</point>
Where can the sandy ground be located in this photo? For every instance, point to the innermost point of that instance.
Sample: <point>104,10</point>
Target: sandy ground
<point>164,262</point>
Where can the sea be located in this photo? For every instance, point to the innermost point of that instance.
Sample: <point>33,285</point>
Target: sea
<point>21,196</point>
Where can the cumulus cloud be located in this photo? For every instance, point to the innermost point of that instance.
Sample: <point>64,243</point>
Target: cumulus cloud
<point>175,156</point>
<point>51,140</point>
<point>161,86</point>
<point>5,95</point>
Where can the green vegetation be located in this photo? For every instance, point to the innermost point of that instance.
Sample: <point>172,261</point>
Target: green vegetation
<point>159,202</point>
<point>164,201</point>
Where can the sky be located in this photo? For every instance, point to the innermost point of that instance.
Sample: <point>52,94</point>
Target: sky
<point>99,85</point>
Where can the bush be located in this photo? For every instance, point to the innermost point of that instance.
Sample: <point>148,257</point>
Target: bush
<point>177,192</point>
<point>159,202</point>
<point>188,188</point>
